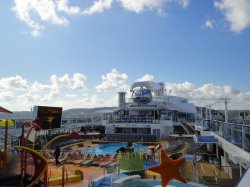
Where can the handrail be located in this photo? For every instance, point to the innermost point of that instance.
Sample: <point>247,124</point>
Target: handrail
<point>234,133</point>
<point>91,181</point>
<point>112,176</point>
<point>194,171</point>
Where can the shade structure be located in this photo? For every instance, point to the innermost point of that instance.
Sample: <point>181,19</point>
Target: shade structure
<point>5,122</point>
<point>205,139</point>
<point>4,110</point>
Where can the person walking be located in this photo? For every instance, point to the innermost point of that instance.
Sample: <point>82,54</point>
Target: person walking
<point>57,154</point>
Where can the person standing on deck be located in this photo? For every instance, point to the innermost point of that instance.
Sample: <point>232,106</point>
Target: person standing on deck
<point>57,154</point>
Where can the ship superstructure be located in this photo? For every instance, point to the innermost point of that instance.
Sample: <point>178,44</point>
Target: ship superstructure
<point>148,114</point>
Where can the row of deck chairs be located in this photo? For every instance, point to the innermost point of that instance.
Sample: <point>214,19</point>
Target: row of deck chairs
<point>175,146</point>
<point>86,159</point>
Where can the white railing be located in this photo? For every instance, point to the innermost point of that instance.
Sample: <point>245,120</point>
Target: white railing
<point>237,134</point>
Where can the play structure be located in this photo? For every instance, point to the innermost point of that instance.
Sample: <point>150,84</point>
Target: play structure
<point>23,166</point>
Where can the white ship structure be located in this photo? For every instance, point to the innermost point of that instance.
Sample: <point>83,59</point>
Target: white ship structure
<point>149,114</point>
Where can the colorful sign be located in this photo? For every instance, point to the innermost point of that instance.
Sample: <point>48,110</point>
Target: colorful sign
<point>142,96</point>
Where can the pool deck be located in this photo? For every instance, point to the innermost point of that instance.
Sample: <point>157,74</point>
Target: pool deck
<point>88,172</point>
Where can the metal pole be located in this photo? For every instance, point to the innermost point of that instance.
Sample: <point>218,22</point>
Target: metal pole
<point>226,112</point>
<point>6,136</point>
<point>63,170</point>
<point>217,151</point>
<point>243,136</point>
<point>206,114</point>
<point>46,178</point>
<point>22,157</point>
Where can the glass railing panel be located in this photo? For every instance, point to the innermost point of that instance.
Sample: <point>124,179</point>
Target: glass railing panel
<point>237,135</point>
<point>247,138</point>
<point>226,129</point>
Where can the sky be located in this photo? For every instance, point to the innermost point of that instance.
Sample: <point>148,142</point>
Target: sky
<point>80,53</point>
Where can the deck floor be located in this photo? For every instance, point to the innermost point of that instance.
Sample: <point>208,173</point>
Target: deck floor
<point>88,173</point>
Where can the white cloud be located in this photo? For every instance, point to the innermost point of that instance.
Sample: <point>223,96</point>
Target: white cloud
<point>210,94</point>
<point>98,7</point>
<point>180,89</point>
<point>69,91</point>
<point>53,94</point>
<point>65,82</point>
<point>15,82</point>
<point>46,10</point>
<point>28,97</point>
<point>37,87</point>
<point>6,95</point>
<point>76,82</point>
<point>208,24</point>
<point>36,12</point>
<point>237,13</point>
<point>62,6</point>
<point>49,10</point>
<point>19,92</point>
<point>146,77</point>
<point>114,81</point>
<point>141,5</point>
<point>93,100</point>
<point>70,95</point>
<point>183,3</point>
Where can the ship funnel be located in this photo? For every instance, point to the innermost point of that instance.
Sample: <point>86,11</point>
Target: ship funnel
<point>121,99</point>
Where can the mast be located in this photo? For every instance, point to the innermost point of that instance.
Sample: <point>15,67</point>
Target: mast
<point>226,100</point>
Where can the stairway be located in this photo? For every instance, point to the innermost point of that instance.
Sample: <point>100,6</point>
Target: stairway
<point>189,128</point>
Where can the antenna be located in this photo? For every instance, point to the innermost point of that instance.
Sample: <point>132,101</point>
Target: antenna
<point>226,100</point>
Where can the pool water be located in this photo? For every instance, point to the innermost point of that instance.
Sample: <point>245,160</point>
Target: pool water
<point>111,148</point>
<point>188,157</point>
<point>173,183</point>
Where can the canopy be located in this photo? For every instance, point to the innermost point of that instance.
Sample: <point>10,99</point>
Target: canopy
<point>5,122</point>
<point>4,110</point>
<point>205,139</point>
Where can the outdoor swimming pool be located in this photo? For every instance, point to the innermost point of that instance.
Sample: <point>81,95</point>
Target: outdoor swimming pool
<point>111,148</point>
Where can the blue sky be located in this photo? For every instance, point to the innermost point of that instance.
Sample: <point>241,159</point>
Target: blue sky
<point>79,53</point>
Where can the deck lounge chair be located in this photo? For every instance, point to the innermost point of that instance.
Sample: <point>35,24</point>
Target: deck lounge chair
<point>88,160</point>
<point>110,160</point>
<point>83,158</point>
<point>106,158</point>
<point>114,162</point>
<point>98,159</point>
<point>73,158</point>
<point>63,156</point>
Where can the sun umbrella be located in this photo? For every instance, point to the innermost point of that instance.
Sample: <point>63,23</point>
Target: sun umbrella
<point>5,122</point>
<point>4,110</point>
